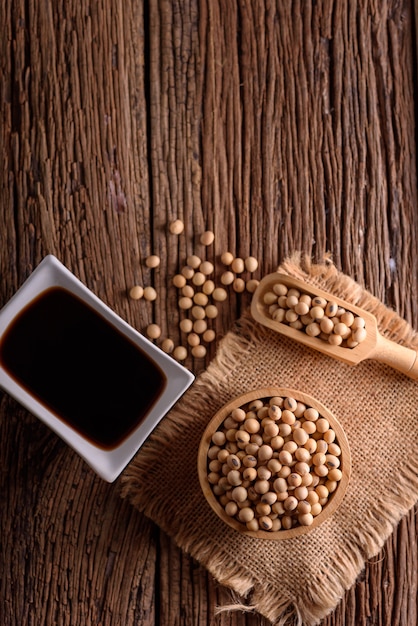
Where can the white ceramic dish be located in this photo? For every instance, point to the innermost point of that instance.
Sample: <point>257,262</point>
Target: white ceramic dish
<point>107,463</point>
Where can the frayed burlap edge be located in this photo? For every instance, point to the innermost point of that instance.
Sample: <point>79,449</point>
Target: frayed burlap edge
<point>365,542</point>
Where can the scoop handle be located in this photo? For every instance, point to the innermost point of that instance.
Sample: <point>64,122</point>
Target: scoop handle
<point>399,357</point>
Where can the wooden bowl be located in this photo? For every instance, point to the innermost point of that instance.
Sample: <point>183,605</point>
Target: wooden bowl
<point>216,423</point>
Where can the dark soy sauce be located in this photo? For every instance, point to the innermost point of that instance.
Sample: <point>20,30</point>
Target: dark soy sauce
<point>73,361</point>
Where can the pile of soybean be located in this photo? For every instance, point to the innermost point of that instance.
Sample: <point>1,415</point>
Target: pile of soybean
<point>198,295</point>
<point>315,316</point>
<point>274,463</point>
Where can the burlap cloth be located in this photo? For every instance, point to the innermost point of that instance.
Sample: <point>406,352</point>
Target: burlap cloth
<point>298,580</point>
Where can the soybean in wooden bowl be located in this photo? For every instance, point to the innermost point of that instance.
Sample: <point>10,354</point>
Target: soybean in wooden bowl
<point>274,463</point>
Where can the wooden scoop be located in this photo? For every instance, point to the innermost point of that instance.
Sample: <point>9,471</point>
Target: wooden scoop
<point>375,346</point>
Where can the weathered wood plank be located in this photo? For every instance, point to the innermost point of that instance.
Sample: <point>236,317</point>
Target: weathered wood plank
<point>280,126</point>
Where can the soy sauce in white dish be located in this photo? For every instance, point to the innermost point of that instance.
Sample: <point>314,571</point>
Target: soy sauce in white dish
<point>80,367</point>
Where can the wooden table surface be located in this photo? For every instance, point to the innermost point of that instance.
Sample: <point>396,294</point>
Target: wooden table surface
<point>279,126</point>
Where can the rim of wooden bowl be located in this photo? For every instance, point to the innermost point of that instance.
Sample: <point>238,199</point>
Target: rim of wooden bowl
<point>268,392</point>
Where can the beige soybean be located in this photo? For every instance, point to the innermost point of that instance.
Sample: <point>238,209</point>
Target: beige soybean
<point>219,294</point>
<point>214,451</point>
<point>238,415</point>
<point>246,514</point>
<point>209,335</point>
<point>234,478</point>
<point>265,453</point>
<point>206,268</point>
<point>199,352</point>
<point>262,509</point>
<point>231,508</point>
<point>179,280</point>
<point>136,292</point>
<point>309,427</point>
<point>194,261</point>
<point>150,294</point>
<point>185,303</point>
<point>176,227</point>
<point>219,438</point>
<point>180,353</point>
<point>208,287</point>
<point>187,291</point>
<point>238,285</point>
<point>227,278</point>
<point>279,289</point>
<point>239,494</point>
<point>188,272</point>
<point>249,473</point>
<point>302,308</point>
<point>207,238</point>
<point>198,279</point>
<point>193,339</point>
<point>167,345</point>
<point>252,425</point>
<point>211,311</point>
<point>300,436</point>
<point>200,326</point>
<point>251,264</point>
<point>198,312</point>
<point>269,298</point>
<point>359,335</point>
<point>253,525</point>
<point>152,261</point>
<point>186,325</point>
<point>153,331</point>
<point>201,299</point>
<point>238,265</point>
<point>265,522</point>
<point>227,258</point>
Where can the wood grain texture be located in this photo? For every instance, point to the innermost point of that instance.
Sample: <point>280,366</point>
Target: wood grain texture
<point>281,126</point>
